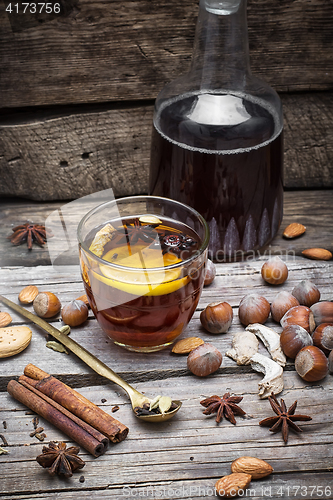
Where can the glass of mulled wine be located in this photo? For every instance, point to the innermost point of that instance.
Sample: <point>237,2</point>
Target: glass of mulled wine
<point>143,264</point>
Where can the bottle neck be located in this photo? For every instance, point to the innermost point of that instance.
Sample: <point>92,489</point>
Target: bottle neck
<point>221,50</point>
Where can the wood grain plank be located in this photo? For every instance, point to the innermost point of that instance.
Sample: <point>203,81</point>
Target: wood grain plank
<point>101,51</point>
<point>232,283</point>
<point>53,155</point>
<point>312,208</point>
<point>192,448</point>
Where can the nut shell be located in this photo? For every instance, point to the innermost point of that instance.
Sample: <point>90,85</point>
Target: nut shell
<point>46,305</point>
<point>293,339</point>
<point>311,364</point>
<point>75,313</point>
<point>323,337</point>
<point>330,362</point>
<point>217,317</point>
<point>323,312</point>
<point>281,304</point>
<point>294,230</point>
<point>256,467</point>
<point>253,309</point>
<point>5,319</point>
<point>28,294</point>
<point>317,254</point>
<point>306,293</point>
<point>204,360</point>
<point>185,346</point>
<point>299,315</point>
<point>210,273</point>
<point>274,271</point>
<point>230,486</point>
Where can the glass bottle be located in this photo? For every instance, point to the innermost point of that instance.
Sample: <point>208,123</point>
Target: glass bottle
<point>217,140</point>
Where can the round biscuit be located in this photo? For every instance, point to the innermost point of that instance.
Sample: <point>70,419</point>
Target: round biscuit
<point>14,340</point>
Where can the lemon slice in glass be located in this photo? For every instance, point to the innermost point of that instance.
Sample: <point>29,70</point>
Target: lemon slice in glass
<point>140,278</point>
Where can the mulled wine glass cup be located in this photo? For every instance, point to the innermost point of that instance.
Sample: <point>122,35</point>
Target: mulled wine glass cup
<point>143,264</point>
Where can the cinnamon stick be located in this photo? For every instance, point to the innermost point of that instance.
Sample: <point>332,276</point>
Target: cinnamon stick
<point>76,404</point>
<point>26,382</point>
<point>46,410</point>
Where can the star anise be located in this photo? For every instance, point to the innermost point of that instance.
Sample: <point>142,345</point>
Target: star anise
<point>285,418</point>
<point>30,233</point>
<point>225,406</point>
<point>60,460</point>
<point>132,233</point>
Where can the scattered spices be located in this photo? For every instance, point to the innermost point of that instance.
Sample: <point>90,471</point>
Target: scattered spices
<point>4,423</point>
<point>3,451</point>
<point>132,233</point>
<point>285,417</point>
<point>4,440</point>
<point>114,409</point>
<point>176,243</point>
<point>56,346</point>
<point>103,400</point>
<point>225,406</point>
<point>35,422</point>
<point>40,437</point>
<point>60,460</point>
<point>36,431</point>
<point>82,479</point>
<point>145,409</point>
<point>29,233</point>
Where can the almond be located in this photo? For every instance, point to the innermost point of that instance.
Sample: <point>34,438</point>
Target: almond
<point>256,467</point>
<point>185,346</point>
<point>13,340</point>
<point>5,319</point>
<point>294,230</point>
<point>317,254</point>
<point>232,485</point>
<point>84,299</point>
<point>28,294</point>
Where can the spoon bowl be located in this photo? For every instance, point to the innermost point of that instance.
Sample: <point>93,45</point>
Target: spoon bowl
<point>137,399</point>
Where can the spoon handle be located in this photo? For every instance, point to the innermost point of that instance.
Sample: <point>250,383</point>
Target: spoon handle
<point>82,353</point>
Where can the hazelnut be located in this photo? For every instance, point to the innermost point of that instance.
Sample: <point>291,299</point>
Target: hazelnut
<point>75,313</point>
<point>330,362</point>
<point>46,305</point>
<point>281,304</point>
<point>253,309</point>
<point>299,315</point>
<point>204,360</point>
<point>323,337</point>
<point>306,293</point>
<point>217,317</point>
<point>293,339</point>
<point>311,364</point>
<point>274,271</point>
<point>210,273</point>
<point>323,312</point>
<point>28,294</point>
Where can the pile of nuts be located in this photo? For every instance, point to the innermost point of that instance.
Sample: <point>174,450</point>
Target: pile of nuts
<point>47,305</point>
<point>307,323</point>
<point>243,470</point>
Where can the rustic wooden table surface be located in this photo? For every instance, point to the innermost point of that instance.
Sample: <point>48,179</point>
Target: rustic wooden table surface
<point>181,458</point>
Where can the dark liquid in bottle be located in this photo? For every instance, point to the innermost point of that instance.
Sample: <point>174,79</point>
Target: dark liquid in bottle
<point>222,154</point>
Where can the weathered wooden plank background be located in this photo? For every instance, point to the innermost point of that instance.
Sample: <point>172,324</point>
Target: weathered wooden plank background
<point>77,90</point>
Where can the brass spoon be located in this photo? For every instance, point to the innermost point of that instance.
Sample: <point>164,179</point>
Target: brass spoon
<point>137,399</point>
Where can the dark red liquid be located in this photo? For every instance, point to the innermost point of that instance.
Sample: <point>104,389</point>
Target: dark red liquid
<point>144,320</point>
<point>231,173</point>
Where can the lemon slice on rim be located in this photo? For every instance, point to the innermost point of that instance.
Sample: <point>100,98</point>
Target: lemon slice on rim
<point>140,278</point>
